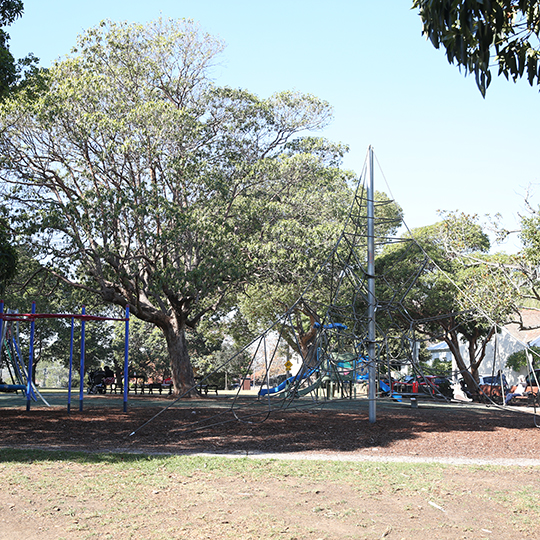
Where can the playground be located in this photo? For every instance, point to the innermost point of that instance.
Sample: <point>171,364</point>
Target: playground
<point>412,464</point>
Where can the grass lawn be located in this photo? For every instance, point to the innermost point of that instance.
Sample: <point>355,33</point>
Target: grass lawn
<point>54,495</point>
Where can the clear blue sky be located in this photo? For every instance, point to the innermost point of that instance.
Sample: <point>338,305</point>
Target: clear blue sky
<point>440,145</point>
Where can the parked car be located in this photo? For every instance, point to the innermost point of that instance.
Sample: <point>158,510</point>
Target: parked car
<point>493,381</point>
<point>430,384</point>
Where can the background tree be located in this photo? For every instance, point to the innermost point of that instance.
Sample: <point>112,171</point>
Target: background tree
<point>518,360</point>
<point>33,283</point>
<point>139,181</point>
<point>223,364</point>
<point>524,268</point>
<point>448,288</point>
<point>308,271</point>
<point>13,73</point>
<point>475,32</point>
<point>8,256</point>
<point>530,238</point>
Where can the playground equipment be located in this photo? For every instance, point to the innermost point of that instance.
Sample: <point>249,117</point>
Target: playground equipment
<point>13,360</point>
<point>336,376</point>
<point>345,331</point>
<point>333,330</point>
<point>285,385</point>
<point>359,335</point>
<point>23,372</point>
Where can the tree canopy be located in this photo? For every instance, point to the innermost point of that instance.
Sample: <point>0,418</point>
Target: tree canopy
<point>525,268</point>
<point>10,10</point>
<point>13,73</point>
<point>137,179</point>
<point>8,256</point>
<point>476,32</point>
<point>449,288</point>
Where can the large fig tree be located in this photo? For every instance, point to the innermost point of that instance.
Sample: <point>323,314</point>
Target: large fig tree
<point>139,180</point>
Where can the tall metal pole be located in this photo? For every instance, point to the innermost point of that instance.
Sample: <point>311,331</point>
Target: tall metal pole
<point>372,302</point>
<point>126,359</point>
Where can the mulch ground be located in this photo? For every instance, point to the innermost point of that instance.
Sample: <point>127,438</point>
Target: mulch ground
<point>474,432</point>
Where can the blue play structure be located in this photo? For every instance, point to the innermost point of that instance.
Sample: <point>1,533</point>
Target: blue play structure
<point>385,388</point>
<point>337,371</point>
<point>12,387</point>
<point>20,372</point>
<point>11,358</point>
<point>279,388</point>
<point>331,326</point>
<point>285,384</point>
<point>330,373</point>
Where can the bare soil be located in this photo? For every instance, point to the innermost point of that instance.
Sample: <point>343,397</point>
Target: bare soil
<point>481,502</point>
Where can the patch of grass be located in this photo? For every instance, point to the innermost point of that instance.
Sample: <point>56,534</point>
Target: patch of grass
<point>247,498</point>
<point>135,471</point>
<point>521,502</point>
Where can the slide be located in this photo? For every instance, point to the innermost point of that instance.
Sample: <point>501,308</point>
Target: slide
<point>283,385</point>
<point>278,388</point>
<point>385,388</point>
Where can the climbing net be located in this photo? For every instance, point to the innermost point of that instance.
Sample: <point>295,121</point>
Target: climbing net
<point>327,327</point>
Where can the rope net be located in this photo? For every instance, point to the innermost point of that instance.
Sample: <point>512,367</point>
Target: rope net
<point>326,328</point>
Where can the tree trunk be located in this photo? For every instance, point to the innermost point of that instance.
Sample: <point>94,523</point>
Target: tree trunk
<point>477,359</point>
<point>468,377</point>
<point>181,369</point>
<point>307,341</point>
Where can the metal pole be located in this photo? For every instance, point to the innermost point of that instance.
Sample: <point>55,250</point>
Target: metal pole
<point>126,360</point>
<point>1,330</point>
<point>371,290</point>
<point>70,379</point>
<point>81,381</point>
<point>30,360</point>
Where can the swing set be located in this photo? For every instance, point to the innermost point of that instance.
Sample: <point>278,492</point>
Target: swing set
<point>22,374</point>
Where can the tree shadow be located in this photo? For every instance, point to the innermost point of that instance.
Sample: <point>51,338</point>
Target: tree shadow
<point>191,428</point>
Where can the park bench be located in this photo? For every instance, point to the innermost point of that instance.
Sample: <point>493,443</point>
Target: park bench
<point>487,393</point>
<point>203,387</point>
<point>528,399</point>
<point>206,388</point>
<point>157,386</point>
<point>112,385</point>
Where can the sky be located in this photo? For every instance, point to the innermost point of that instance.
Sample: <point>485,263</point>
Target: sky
<point>439,144</point>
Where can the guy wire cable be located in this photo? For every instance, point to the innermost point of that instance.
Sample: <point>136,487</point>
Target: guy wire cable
<point>480,310</point>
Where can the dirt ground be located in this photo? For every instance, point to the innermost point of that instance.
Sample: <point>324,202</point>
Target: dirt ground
<point>466,432</point>
<point>202,505</point>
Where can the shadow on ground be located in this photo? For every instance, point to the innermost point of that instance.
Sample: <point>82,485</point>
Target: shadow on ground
<point>215,425</point>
